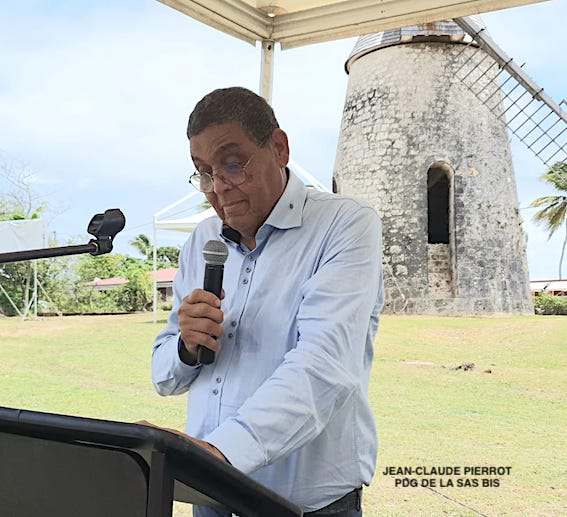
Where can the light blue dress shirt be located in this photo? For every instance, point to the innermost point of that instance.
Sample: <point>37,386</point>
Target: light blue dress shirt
<point>286,398</point>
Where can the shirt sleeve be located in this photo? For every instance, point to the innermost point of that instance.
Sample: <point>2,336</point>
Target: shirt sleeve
<point>337,322</point>
<point>170,375</point>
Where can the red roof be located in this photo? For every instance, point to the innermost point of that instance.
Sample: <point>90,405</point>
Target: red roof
<point>164,275</point>
<point>161,276</point>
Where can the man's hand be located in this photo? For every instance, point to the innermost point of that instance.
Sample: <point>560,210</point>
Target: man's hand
<point>200,318</point>
<point>211,449</point>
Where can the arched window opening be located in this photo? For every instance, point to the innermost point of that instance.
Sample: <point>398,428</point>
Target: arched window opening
<point>438,189</point>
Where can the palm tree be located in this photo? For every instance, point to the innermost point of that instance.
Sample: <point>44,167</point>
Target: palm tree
<point>167,256</point>
<point>554,213</point>
<point>143,245</point>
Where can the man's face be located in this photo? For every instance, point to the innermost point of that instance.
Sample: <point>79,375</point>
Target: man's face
<point>244,207</point>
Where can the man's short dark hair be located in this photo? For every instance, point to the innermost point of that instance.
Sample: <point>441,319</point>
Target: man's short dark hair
<point>234,104</point>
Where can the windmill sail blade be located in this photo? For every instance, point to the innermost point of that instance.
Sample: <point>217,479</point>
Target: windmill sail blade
<point>530,114</point>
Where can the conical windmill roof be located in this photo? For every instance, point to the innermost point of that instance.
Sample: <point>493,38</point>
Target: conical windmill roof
<point>444,30</point>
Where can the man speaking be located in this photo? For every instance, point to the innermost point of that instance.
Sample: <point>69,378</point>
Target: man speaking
<point>283,392</point>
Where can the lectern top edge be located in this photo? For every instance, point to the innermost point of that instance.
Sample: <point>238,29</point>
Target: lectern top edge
<point>190,464</point>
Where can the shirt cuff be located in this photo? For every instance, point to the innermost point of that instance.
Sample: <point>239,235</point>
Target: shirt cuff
<point>184,355</point>
<point>239,447</point>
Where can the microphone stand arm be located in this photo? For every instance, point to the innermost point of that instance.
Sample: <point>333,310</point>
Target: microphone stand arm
<point>103,227</point>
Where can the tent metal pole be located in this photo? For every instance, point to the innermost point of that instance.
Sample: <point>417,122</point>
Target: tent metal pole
<point>267,70</point>
<point>155,270</point>
<point>35,289</point>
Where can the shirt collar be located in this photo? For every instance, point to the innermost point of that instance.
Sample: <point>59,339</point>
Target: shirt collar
<point>288,211</point>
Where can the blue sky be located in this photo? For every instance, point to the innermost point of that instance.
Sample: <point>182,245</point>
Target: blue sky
<point>94,99</point>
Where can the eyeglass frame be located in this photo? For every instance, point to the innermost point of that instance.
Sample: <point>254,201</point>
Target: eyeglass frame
<point>198,175</point>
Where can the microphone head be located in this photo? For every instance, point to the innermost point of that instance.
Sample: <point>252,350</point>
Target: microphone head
<point>215,253</point>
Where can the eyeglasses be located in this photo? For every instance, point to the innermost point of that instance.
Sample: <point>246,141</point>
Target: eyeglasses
<point>232,174</point>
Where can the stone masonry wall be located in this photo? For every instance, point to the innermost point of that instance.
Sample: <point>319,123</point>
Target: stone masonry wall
<point>404,111</point>
<point>439,271</point>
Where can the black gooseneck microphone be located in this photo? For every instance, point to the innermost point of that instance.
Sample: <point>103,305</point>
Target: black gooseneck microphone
<point>215,253</point>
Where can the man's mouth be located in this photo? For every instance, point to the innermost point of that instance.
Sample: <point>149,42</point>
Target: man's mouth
<point>232,207</point>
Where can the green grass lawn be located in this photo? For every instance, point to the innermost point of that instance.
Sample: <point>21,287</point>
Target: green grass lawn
<point>507,411</point>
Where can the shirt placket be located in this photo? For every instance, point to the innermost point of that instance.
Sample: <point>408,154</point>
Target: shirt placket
<point>230,338</point>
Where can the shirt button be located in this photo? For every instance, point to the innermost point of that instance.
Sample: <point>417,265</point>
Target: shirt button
<point>248,269</point>
<point>233,323</point>
<point>215,392</point>
<point>230,335</point>
<point>218,379</point>
<point>251,257</point>
<point>245,281</point>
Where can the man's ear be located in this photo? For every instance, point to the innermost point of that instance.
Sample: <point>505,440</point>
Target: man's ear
<point>280,146</point>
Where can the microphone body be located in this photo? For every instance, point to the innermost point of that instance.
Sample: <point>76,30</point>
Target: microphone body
<point>215,253</point>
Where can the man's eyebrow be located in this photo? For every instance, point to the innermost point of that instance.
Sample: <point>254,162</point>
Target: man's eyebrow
<point>220,151</point>
<point>226,148</point>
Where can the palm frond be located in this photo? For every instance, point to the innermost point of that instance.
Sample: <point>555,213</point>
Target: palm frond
<point>554,213</point>
<point>552,217</point>
<point>556,176</point>
<point>547,200</point>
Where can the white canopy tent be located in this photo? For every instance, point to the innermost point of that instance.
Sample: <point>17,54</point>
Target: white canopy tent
<point>293,23</point>
<point>23,235</point>
<point>184,224</point>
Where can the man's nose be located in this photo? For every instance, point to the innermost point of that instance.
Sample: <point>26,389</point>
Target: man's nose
<point>220,185</point>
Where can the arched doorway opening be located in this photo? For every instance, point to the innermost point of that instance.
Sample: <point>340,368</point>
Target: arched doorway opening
<point>440,230</point>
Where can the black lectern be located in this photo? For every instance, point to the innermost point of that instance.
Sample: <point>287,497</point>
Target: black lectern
<point>65,466</point>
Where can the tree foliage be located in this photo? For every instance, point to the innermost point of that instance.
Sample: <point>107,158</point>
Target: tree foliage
<point>167,256</point>
<point>135,295</point>
<point>17,199</point>
<point>547,304</point>
<point>553,215</point>
<point>143,244</point>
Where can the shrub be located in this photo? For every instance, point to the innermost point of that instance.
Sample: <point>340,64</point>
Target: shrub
<point>136,295</point>
<point>548,304</point>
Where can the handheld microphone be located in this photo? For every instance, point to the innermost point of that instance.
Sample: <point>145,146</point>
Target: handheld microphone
<point>215,253</point>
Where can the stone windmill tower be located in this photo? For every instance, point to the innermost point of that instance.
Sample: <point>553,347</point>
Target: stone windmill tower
<point>435,162</point>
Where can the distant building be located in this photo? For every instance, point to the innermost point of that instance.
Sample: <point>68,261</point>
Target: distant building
<point>164,281</point>
<point>107,284</point>
<point>552,287</point>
